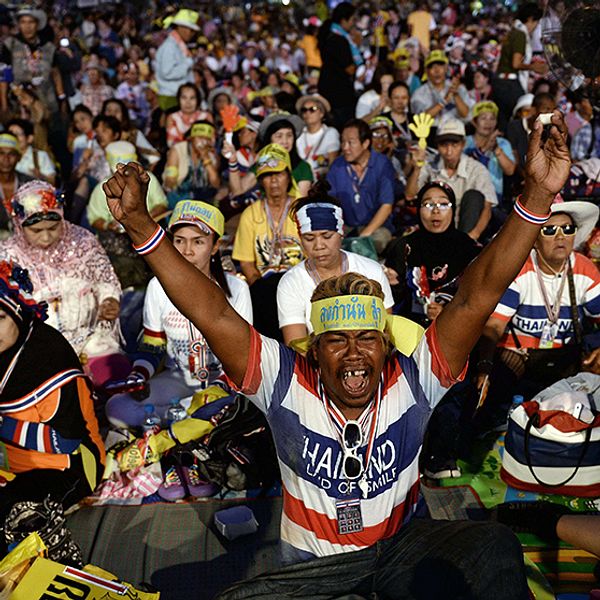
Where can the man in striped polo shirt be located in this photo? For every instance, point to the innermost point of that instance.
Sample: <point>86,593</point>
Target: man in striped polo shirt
<point>348,417</point>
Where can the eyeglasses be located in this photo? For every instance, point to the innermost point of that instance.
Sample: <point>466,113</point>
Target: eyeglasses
<point>352,438</point>
<point>441,206</point>
<point>380,134</point>
<point>552,230</point>
<point>306,109</point>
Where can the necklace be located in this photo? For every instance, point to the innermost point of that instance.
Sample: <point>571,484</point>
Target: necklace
<point>314,273</point>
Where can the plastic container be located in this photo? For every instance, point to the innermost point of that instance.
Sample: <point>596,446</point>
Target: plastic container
<point>175,412</point>
<point>235,522</point>
<point>151,419</point>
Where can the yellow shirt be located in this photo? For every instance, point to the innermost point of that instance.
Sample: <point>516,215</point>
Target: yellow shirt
<point>254,241</point>
<point>421,23</point>
<point>313,57</point>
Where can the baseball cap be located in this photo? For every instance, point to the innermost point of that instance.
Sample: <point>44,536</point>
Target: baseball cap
<point>451,130</point>
<point>273,158</point>
<point>206,217</point>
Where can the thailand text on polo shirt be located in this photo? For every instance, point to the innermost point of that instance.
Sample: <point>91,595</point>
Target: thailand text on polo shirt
<point>375,188</point>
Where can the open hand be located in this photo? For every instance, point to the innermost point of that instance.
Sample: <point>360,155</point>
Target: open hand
<point>548,164</point>
<point>126,193</point>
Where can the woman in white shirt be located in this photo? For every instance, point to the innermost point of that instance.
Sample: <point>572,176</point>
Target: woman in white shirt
<point>196,228</point>
<point>320,223</point>
<point>318,144</point>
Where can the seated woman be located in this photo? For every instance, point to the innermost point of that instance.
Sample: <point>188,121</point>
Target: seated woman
<point>45,392</point>
<point>179,122</point>
<point>424,267</point>
<point>318,144</point>
<point>130,269</point>
<point>69,270</point>
<point>321,226</point>
<point>33,162</point>
<point>192,166</point>
<point>129,133</point>
<point>196,228</point>
<point>278,128</point>
<point>267,242</point>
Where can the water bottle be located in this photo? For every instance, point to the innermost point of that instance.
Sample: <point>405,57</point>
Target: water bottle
<point>176,412</point>
<point>151,419</point>
<point>516,402</point>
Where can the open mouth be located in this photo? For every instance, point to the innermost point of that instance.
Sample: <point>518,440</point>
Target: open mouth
<point>355,381</point>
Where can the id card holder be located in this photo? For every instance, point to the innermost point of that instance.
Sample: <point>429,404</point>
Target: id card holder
<point>549,333</point>
<point>349,516</point>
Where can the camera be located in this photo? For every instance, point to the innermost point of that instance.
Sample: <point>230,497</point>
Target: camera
<point>64,42</point>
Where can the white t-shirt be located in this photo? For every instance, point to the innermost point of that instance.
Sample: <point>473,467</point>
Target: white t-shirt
<point>315,147</point>
<point>26,164</point>
<point>296,287</point>
<point>162,318</point>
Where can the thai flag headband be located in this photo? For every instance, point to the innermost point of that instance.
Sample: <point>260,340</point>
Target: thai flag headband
<point>320,216</point>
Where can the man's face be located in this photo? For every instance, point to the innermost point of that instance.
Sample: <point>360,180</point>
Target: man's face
<point>8,161</point>
<point>351,363</point>
<point>436,73</point>
<point>186,33</point>
<point>28,27</point>
<point>105,135</point>
<point>450,152</point>
<point>352,148</point>
<point>381,140</point>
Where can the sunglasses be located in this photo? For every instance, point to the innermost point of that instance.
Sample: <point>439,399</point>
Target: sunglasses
<point>306,109</point>
<point>441,206</point>
<point>352,438</point>
<point>552,230</point>
<point>381,134</point>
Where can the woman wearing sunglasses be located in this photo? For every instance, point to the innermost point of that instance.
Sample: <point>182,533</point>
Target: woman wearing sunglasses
<point>424,266</point>
<point>318,144</point>
<point>348,524</point>
<point>543,309</point>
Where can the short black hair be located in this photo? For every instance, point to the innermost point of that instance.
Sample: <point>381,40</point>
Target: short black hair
<point>396,85</point>
<point>364,131</point>
<point>342,12</point>
<point>110,122</point>
<point>529,11</point>
<point>24,124</point>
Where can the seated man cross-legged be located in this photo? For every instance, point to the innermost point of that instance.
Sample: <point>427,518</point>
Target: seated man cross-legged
<point>348,419</point>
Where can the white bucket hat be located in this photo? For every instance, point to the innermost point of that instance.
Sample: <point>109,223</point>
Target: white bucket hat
<point>584,215</point>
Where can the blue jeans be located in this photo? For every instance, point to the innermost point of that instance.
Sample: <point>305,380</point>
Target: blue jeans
<point>426,560</point>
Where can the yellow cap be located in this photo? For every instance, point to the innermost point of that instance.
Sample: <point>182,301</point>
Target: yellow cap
<point>273,158</point>
<point>203,215</point>
<point>8,140</point>
<point>205,130</point>
<point>485,106</point>
<point>436,56</point>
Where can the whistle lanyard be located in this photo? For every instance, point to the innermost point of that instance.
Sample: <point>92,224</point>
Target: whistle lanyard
<point>314,274</point>
<point>356,181</point>
<point>552,310</point>
<point>197,354</point>
<point>337,421</point>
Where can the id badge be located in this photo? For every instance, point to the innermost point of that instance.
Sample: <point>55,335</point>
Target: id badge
<point>357,197</point>
<point>349,516</point>
<point>549,333</point>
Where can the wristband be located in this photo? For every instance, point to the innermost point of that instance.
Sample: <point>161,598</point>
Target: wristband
<point>62,96</point>
<point>152,243</point>
<point>529,216</point>
<point>485,366</point>
<point>233,166</point>
<point>206,162</point>
<point>171,171</point>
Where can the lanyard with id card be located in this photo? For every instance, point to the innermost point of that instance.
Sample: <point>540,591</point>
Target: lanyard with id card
<point>550,329</point>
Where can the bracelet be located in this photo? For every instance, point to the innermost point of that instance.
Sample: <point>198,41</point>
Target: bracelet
<point>62,96</point>
<point>529,216</point>
<point>152,243</point>
<point>171,171</point>
<point>233,166</point>
<point>206,162</point>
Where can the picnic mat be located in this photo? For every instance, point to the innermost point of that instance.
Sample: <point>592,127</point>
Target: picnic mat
<point>175,547</point>
<point>480,488</point>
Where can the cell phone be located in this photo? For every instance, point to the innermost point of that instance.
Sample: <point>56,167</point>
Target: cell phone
<point>64,42</point>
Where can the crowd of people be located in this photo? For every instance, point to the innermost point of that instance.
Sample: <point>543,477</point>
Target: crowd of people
<point>371,191</point>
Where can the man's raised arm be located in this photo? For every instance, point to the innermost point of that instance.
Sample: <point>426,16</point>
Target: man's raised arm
<point>481,287</point>
<point>195,295</point>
